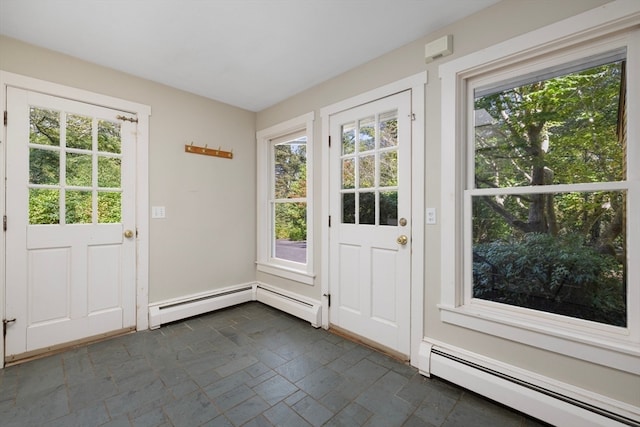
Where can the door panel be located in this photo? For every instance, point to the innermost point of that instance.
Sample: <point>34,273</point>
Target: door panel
<point>70,196</point>
<point>370,192</point>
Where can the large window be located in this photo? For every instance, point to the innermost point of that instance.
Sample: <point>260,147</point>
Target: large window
<point>548,191</point>
<point>284,208</point>
<point>540,185</point>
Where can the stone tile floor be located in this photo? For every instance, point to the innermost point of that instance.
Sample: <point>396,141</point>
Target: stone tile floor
<point>248,365</point>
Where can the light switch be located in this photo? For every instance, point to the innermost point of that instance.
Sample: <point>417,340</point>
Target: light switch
<point>431,215</point>
<point>158,212</point>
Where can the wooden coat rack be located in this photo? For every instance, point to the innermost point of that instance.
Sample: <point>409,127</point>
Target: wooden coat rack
<point>190,148</point>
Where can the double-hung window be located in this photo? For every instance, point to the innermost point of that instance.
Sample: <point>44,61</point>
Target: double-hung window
<point>545,174</point>
<point>284,208</point>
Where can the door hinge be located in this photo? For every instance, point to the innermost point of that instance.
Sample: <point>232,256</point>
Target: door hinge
<point>4,223</point>
<point>329,139</point>
<point>328,299</point>
<point>5,117</point>
<point>5,322</point>
<point>329,220</point>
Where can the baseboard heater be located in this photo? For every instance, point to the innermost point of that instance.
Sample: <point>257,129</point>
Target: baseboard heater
<point>194,305</point>
<point>538,401</point>
<point>289,303</point>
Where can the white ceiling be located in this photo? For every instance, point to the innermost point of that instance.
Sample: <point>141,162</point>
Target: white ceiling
<point>247,53</point>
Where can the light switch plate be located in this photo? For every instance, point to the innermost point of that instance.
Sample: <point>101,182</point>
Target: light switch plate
<point>431,216</point>
<point>158,212</point>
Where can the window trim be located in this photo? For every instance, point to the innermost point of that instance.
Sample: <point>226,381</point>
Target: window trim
<point>602,344</point>
<point>299,272</point>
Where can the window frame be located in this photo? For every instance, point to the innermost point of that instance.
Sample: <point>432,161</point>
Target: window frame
<point>266,140</point>
<point>596,31</point>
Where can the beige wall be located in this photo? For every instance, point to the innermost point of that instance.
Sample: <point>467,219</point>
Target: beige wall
<point>496,24</point>
<point>207,240</point>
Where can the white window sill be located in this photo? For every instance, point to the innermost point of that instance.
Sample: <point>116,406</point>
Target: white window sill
<point>286,272</point>
<point>613,347</point>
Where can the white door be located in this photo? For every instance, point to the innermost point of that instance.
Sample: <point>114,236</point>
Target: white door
<point>370,230</point>
<point>71,250</point>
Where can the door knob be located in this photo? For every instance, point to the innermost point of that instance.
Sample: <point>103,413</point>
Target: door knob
<point>402,240</point>
<point>128,234</point>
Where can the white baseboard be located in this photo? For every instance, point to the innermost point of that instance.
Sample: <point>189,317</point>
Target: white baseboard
<point>193,305</point>
<point>541,397</point>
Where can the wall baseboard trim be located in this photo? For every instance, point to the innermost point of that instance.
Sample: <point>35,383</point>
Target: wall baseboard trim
<point>196,304</point>
<point>544,398</point>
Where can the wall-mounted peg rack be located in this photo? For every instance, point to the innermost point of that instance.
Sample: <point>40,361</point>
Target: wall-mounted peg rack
<point>216,152</point>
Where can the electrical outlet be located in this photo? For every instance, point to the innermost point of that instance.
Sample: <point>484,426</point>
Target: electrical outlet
<point>431,216</point>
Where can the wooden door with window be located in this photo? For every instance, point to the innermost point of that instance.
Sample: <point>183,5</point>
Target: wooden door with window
<point>71,249</point>
<point>370,233</point>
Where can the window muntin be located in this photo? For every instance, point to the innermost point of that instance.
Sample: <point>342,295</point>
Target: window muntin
<point>74,169</point>
<point>369,179</point>
<point>559,249</point>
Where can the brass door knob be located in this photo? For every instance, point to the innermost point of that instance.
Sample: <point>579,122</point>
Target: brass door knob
<point>402,240</point>
<point>128,234</point>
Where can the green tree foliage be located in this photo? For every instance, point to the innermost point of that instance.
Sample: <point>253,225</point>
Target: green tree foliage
<point>45,162</point>
<point>290,171</point>
<point>561,130</point>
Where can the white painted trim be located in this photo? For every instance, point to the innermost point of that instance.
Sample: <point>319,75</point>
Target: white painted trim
<point>617,348</point>
<point>142,113</point>
<point>287,273</point>
<point>264,261</point>
<point>416,83</point>
<point>521,389</point>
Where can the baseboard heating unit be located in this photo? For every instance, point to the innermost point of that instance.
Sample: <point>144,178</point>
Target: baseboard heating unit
<point>289,303</point>
<point>543,398</point>
<point>194,305</point>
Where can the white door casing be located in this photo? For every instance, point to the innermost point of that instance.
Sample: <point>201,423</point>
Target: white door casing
<point>370,208</point>
<point>66,282</point>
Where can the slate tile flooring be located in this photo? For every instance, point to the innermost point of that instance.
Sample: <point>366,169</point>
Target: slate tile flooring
<point>248,365</point>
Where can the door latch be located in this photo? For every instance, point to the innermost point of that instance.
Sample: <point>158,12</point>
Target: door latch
<point>5,322</point>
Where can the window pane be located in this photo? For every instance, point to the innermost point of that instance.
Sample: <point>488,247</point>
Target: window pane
<point>348,138</point>
<point>560,130</point>
<point>44,166</point>
<point>348,173</point>
<point>79,169</point>
<point>573,264</point>
<point>367,135</point>
<point>290,169</point>
<point>44,127</point>
<point>389,129</point>
<point>389,169</point>
<point>108,137</point>
<point>109,207</point>
<point>291,231</point>
<point>389,208</point>
<point>79,132</point>
<point>108,172</point>
<point>44,206</point>
<point>367,208</point>
<point>348,208</point>
<point>367,171</point>
<point>78,207</point>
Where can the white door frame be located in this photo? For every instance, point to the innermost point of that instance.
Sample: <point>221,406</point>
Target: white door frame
<point>416,84</point>
<point>143,112</point>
